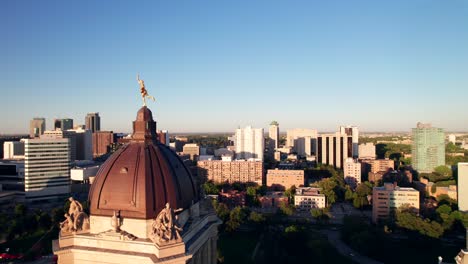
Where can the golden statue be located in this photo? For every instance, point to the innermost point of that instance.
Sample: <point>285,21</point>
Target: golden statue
<point>144,93</point>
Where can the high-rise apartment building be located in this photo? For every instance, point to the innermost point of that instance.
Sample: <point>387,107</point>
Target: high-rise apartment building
<point>303,141</point>
<point>352,172</point>
<point>386,199</point>
<point>367,151</point>
<point>333,149</point>
<point>274,136</point>
<point>250,143</point>
<point>47,168</point>
<point>93,122</point>
<point>352,131</point>
<point>428,148</point>
<point>37,126</point>
<point>463,186</point>
<point>63,124</point>
<point>231,171</point>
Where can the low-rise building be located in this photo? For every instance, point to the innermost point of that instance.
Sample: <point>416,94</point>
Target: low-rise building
<point>273,200</point>
<point>367,151</point>
<point>307,198</point>
<point>386,199</point>
<point>232,198</point>
<point>13,150</point>
<point>82,173</point>
<point>285,179</point>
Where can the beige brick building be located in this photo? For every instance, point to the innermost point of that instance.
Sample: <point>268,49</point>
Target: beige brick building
<point>352,172</point>
<point>231,171</point>
<point>285,178</point>
<point>193,150</point>
<point>390,197</point>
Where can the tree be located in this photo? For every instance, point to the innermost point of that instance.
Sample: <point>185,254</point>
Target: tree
<point>328,186</point>
<point>222,211</point>
<point>409,220</point>
<point>290,193</point>
<point>211,188</point>
<point>256,217</point>
<point>443,171</point>
<point>286,209</point>
<point>362,191</point>
<point>320,214</point>
<point>20,210</point>
<point>236,218</point>
<point>349,194</point>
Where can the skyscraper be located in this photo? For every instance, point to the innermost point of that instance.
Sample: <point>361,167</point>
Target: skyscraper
<point>59,134</point>
<point>302,140</point>
<point>47,168</point>
<point>63,124</point>
<point>333,149</point>
<point>93,122</point>
<point>463,186</point>
<point>250,143</point>
<point>274,136</point>
<point>37,127</point>
<point>352,131</point>
<point>428,148</point>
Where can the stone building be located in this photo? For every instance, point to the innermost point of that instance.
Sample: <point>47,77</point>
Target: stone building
<point>144,208</point>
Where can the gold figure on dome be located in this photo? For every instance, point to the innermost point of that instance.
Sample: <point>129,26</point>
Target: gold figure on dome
<point>143,91</point>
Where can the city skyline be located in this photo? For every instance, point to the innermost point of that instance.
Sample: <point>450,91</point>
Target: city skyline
<point>307,65</point>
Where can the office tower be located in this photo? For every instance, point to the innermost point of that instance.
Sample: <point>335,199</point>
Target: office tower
<point>84,143</point>
<point>250,143</point>
<point>352,131</point>
<point>303,141</point>
<point>220,171</point>
<point>463,186</point>
<point>47,168</point>
<point>93,122</point>
<point>58,134</point>
<point>37,126</point>
<point>101,142</point>
<point>428,148</point>
<point>333,149</point>
<point>13,150</point>
<point>367,151</point>
<point>163,137</point>
<point>274,136</point>
<point>388,198</point>
<point>63,124</point>
<point>352,172</point>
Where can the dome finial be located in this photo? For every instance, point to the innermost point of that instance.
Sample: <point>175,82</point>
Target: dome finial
<point>143,91</point>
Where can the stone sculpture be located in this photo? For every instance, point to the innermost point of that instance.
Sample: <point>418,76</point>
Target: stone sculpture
<point>165,228</point>
<point>75,219</point>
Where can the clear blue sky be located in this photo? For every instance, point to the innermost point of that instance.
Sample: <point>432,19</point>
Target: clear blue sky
<point>216,65</point>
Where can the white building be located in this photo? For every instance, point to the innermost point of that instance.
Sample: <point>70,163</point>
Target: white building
<point>352,131</point>
<point>274,136</point>
<point>46,168</point>
<point>13,150</point>
<point>302,140</point>
<point>250,143</point>
<point>83,173</point>
<point>463,186</point>
<point>307,198</point>
<point>352,172</point>
<point>452,138</point>
<point>367,151</point>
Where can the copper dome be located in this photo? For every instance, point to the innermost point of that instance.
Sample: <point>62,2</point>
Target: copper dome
<point>142,176</point>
